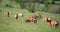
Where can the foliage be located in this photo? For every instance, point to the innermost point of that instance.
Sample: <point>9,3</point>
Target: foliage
<point>57,0</point>
<point>54,9</point>
<point>53,2</point>
<point>10,24</point>
<point>0,0</point>
<point>31,9</point>
<point>7,5</point>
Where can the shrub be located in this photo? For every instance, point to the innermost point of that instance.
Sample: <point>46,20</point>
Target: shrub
<point>31,10</point>
<point>54,9</point>
<point>7,5</point>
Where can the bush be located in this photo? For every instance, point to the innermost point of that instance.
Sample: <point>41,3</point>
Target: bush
<point>55,9</point>
<point>31,10</point>
<point>7,5</point>
<point>42,1</point>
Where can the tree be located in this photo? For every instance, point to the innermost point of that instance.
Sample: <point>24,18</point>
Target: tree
<point>31,8</point>
<point>46,5</point>
<point>53,2</point>
<point>21,2</point>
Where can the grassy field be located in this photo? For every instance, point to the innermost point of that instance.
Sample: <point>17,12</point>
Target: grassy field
<point>10,24</point>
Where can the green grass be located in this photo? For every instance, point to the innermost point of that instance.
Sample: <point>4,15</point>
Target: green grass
<point>10,24</point>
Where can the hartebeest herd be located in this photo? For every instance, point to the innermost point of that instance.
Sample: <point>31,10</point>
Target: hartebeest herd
<point>50,21</point>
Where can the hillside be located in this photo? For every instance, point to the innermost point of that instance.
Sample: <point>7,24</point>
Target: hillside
<point>10,24</point>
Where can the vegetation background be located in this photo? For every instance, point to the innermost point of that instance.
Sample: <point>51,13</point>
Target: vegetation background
<point>27,7</point>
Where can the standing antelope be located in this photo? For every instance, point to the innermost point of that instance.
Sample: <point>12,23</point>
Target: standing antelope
<point>31,19</point>
<point>51,22</point>
<point>20,15</point>
<point>16,16</point>
<point>7,14</point>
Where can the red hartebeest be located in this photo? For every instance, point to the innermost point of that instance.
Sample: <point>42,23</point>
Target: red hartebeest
<point>31,19</point>
<point>51,22</point>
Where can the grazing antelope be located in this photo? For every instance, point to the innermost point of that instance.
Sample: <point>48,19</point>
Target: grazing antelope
<point>51,22</point>
<point>37,14</point>
<point>20,15</point>
<point>16,16</point>
<point>31,19</point>
<point>7,14</point>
